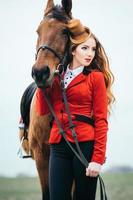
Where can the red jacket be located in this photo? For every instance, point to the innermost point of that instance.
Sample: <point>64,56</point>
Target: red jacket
<point>85,94</point>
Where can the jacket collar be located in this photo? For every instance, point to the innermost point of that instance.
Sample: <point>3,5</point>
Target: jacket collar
<point>78,79</point>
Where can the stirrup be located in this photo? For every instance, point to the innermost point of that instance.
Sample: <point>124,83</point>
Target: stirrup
<point>21,152</point>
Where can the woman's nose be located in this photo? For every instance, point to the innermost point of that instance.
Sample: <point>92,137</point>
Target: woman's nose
<point>90,53</point>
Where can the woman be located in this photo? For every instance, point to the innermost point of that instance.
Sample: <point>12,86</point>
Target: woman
<point>87,81</point>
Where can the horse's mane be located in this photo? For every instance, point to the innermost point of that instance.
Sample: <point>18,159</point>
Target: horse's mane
<point>59,13</point>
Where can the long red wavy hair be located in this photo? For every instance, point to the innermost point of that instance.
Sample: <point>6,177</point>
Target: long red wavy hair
<point>100,63</point>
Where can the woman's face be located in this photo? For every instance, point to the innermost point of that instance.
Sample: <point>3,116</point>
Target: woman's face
<point>84,53</point>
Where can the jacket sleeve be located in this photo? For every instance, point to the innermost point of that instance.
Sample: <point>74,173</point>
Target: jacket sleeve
<point>100,117</point>
<point>40,103</point>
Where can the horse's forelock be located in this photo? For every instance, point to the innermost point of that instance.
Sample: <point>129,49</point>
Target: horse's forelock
<point>59,13</point>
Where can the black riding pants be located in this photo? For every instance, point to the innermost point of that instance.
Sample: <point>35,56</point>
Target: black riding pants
<point>64,167</point>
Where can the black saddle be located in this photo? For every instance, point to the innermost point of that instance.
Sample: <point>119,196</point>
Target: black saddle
<point>26,102</point>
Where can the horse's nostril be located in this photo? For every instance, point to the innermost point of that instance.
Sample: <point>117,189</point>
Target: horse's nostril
<point>35,74</point>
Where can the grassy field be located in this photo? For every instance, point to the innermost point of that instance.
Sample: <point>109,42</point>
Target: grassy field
<point>119,187</point>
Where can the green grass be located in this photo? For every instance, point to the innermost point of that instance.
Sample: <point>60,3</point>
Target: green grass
<point>20,189</point>
<point>119,186</point>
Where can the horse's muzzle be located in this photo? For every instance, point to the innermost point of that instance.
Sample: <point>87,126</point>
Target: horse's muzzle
<point>41,75</point>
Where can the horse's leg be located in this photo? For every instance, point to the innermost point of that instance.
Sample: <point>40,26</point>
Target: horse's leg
<point>41,157</point>
<point>39,129</point>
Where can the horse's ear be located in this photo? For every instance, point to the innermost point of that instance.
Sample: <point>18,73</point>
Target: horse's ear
<point>67,5</point>
<point>49,6</point>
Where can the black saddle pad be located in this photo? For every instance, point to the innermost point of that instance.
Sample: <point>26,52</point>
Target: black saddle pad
<point>26,102</point>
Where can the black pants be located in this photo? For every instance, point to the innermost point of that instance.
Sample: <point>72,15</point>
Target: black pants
<point>64,167</point>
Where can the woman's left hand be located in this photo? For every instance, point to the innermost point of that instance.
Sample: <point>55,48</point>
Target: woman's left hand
<point>93,169</point>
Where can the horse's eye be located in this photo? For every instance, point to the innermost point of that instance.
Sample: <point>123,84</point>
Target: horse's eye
<point>64,31</point>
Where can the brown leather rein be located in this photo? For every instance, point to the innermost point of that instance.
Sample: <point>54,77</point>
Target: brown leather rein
<point>79,154</point>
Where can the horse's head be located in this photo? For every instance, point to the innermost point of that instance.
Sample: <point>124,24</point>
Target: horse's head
<point>52,41</point>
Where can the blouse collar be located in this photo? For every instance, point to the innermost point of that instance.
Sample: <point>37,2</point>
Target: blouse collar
<point>74,72</point>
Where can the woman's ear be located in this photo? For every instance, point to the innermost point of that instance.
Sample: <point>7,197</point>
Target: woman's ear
<point>73,53</point>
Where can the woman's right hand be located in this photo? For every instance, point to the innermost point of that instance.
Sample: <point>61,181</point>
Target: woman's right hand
<point>93,169</point>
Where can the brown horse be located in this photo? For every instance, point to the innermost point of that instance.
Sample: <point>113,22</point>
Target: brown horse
<point>52,46</point>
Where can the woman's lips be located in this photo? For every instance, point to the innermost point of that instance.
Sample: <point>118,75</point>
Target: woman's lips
<point>87,60</point>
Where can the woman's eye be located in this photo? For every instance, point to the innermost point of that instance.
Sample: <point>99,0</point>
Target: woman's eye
<point>94,49</point>
<point>84,48</point>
